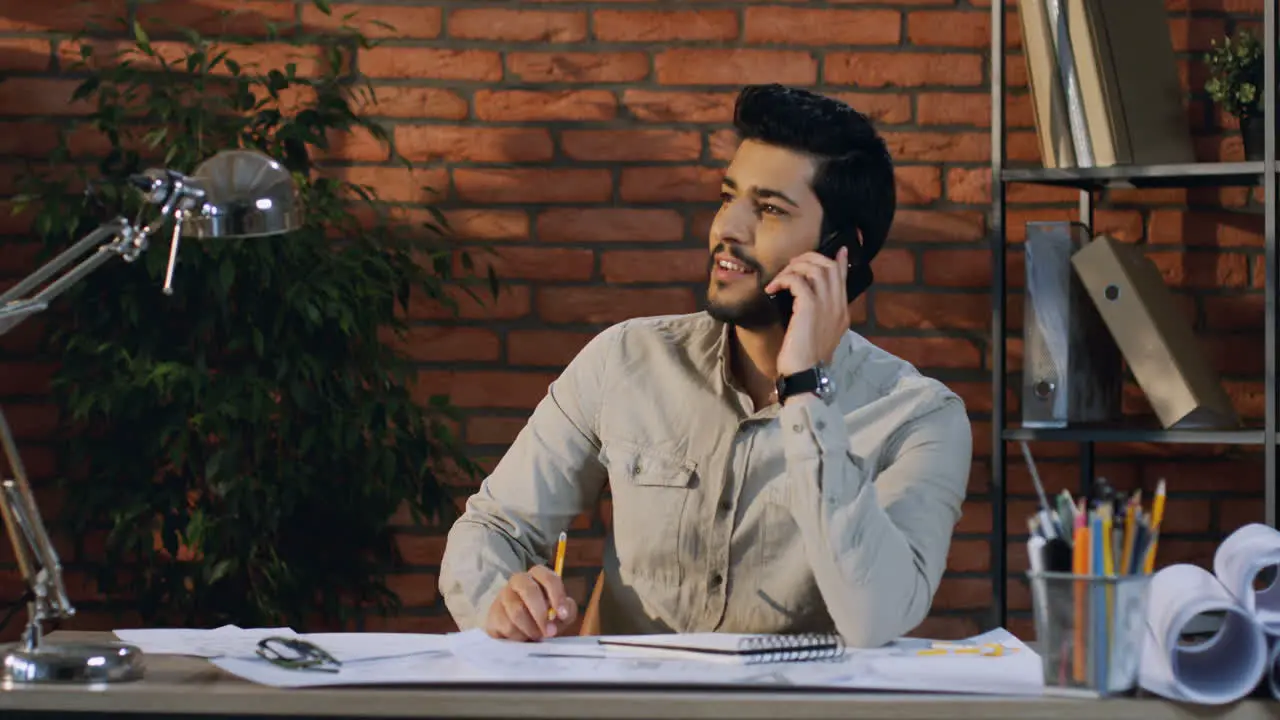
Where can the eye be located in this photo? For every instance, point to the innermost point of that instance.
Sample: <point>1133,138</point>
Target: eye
<point>725,197</point>
<point>770,209</point>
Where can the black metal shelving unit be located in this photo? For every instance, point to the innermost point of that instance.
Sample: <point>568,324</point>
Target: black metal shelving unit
<point>1090,181</point>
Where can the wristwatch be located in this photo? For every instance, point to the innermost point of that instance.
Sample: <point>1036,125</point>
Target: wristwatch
<point>814,380</point>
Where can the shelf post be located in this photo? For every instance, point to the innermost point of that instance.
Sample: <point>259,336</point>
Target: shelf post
<point>1269,249</point>
<point>997,495</point>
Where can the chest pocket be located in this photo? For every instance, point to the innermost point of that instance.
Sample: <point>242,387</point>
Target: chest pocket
<point>651,492</point>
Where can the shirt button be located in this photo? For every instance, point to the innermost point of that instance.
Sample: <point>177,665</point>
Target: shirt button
<point>716,580</point>
<point>797,428</point>
<point>725,506</point>
<point>820,425</point>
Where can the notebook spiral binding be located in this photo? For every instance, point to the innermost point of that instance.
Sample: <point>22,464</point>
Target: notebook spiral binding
<point>793,647</point>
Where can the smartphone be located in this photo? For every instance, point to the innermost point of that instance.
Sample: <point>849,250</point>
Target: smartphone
<point>784,301</point>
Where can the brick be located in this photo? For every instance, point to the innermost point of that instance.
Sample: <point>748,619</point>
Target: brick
<point>609,225</point>
<point>427,343</point>
<point>654,266</point>
<point>657,26</point>
<point>222,17</point>
<point>431,63</point>
<point>397,101</point>
<point>26,138</point>
<point>963,593</point>
<point>932,352</point>
<point>631,145</point>
<point>397,184</point>
<point>533,185</point>
<point>310,60</point>
<point>544,105</point>
<point>670,184</point>
<point>1124,225</point>
<point>494,430</point>
<point>610,305</point>
<point>1196,34</point>
<point>1202,270</point>
<point>430,143</point>
<point>690,66</point>
<point>800,26</point>
<point>487,224</point>
<point>969,268</point>
<point>939,146</point>
<point>513,301</point>
<point>896,2</point>
<point>534,262</point>
<point>917,184</point>
<point>933,311</point>
<point>690,107</point>
<point>413,589</point>
<point>30,421</point>
<point>355,145</point>
<point>1179,227</point>
<point>43,96</point>
<point>954,109</point>
<point>484,388</point>
<point>60,15</point>
<point>938,226</point>
<point>903,69</point>
<point>578,67</point>
<point>884,109</point>
<point>959,28</point>
<point>25,378</point>
<point>25,54</point>
<point>722,145</point>
<point>545,347</point>
<point>894,266</point>
<point>517,25</point>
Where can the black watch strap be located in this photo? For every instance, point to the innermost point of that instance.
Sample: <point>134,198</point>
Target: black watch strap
<point>801,382</point>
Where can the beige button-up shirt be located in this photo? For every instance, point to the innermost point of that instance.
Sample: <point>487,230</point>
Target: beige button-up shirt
<point>795,518</point>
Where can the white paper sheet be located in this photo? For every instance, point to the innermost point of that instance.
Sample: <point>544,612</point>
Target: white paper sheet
<point>474,658</point>
<point>217,642</point>
<point>1220,670</point>
<point>1239,559</point>
<point>358,646</point>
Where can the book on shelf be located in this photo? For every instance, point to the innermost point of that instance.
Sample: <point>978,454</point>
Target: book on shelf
<point>1104,83</point>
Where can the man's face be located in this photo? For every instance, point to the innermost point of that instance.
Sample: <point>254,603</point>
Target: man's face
<point>768,215</point>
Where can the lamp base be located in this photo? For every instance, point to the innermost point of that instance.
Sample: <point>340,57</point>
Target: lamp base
<point>71,663</point>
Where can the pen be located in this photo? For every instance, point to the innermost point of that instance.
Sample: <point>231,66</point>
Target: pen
<point>559,567</point>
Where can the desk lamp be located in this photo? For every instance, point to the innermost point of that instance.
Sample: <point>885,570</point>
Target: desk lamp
<point>233,194</point>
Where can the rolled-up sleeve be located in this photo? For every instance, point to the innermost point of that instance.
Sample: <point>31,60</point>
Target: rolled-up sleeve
<point>877,542</point>
<point>550,475</point>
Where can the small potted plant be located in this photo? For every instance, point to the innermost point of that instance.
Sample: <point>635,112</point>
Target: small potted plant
<point>1235,84</point>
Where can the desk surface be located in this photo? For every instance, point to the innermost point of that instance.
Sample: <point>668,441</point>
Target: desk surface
<point>191,686</point>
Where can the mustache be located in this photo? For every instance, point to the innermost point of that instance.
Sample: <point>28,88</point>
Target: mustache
<point>736,253</point>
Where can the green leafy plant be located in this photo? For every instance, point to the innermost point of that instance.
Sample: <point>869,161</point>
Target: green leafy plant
<point>242,444</point>
<point>1236,74</point>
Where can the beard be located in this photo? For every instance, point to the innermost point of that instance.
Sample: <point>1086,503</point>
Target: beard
<point>755,312</point>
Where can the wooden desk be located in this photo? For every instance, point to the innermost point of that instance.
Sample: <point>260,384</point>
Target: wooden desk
<point>181,686</point>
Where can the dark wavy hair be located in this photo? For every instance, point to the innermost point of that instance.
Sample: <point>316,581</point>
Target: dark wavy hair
<point>854,176</point>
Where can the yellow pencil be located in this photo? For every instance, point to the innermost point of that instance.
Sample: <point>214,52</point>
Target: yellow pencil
<point>1157,514</point>
<point>559,566</point>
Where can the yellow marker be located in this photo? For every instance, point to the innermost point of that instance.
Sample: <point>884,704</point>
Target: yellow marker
<point>559,567</point>
<point>985,650</point>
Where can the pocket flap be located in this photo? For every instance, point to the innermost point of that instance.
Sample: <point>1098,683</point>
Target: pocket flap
<point>647,467</point>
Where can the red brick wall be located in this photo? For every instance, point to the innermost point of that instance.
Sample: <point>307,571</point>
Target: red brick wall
<point>583,141</point>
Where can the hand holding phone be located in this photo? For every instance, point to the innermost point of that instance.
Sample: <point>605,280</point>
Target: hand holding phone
<point>784,301</point>
<point>817,286</point>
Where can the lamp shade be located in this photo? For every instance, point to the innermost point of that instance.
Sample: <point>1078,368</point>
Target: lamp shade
<point>247,194</point>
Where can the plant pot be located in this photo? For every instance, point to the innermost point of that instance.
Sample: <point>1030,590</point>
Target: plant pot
<point>1253,130</point>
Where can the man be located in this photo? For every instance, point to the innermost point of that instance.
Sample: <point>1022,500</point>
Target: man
<point>740,503</point>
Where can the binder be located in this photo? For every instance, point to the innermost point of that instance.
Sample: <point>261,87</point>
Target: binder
<point>1157,342</point>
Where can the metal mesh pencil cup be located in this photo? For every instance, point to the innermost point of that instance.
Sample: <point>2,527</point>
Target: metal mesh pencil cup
<point>1089,631</point>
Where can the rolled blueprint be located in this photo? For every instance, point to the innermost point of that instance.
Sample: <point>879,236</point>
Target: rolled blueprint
<point>1245,553</point>
<point>1220,670</point>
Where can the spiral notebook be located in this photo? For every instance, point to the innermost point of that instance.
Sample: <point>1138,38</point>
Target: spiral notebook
<point>731,647</point>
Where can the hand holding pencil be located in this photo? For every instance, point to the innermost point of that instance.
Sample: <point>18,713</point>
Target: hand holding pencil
<point>533,605</point>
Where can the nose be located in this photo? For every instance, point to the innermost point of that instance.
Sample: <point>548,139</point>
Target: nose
<point>733,224</point>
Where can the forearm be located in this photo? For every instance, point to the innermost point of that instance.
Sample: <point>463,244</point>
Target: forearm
<point>877,553</point>
<point>478,559</point>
